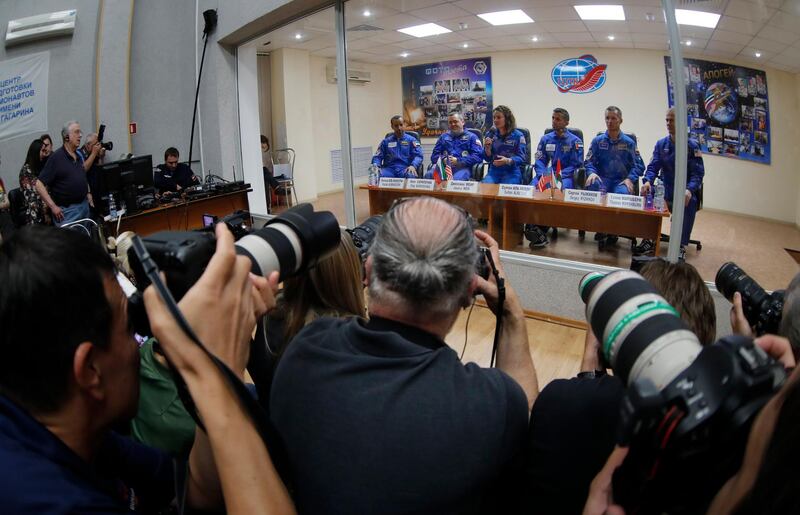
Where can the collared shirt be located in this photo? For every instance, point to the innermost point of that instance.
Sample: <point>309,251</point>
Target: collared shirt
<point>568,149</point>
<point>465,147</point>
<point>165,179</point>
<point>398,153</point>
<point>613,160</point>
<point>664,162</point>
<point>65,178</point>
<point>40,474</point>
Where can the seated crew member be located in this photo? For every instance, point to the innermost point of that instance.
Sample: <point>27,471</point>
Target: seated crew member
<point>173,176</point>
<point>399,154</point>
<point>462,148</point>
<point>504,148</point>
<point>663,165</point>
<point>380,416</point>
<point>554,147</point>
<point>611,164</point>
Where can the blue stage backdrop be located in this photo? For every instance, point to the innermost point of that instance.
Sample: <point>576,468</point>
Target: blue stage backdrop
<point>433,91</point>
<point>728,108</point>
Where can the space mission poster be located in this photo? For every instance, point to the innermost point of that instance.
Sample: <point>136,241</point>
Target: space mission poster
<point>727,108</point>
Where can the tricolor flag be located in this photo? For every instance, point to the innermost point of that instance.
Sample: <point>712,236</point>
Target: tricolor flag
<point>443,172</point>
<point>551,180</point>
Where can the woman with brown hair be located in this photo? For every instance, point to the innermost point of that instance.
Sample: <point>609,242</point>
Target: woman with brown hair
<point>334,288</point>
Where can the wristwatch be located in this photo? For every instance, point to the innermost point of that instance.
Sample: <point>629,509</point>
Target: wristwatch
<point>591,374</point>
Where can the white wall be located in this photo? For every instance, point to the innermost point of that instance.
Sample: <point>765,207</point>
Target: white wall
<point>637,84</point>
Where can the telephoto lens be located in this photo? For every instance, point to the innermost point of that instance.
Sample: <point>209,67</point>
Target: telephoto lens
<point>762,310</point>
<point>641,335</point>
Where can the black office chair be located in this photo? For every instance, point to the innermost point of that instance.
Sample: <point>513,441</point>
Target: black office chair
<point>415,135</point>
<point>697,243</point>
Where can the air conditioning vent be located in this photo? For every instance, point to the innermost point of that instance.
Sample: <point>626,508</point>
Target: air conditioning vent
<point>364,28</point>
<point>41,26</point>
<point>353,75</point>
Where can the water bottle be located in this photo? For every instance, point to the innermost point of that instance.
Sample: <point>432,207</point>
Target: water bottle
<point>658,200</point>
<point>374,176</point>
<point>648,200</point>
<point>112,206</point>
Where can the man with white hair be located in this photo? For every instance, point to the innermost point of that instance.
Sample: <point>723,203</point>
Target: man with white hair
<point>381,416</point>
<point>64,178</point>
<point>461,149</point>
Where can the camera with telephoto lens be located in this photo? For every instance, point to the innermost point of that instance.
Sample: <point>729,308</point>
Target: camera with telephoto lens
<point>687,410</point>
<point>290,243</point>
<point>762,310</point>
<point>101,132</point>
<point>364,234</point>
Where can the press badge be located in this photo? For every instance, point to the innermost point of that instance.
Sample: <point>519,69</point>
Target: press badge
<point>603,145</point>
<point>550,147</point>
<point>392,144</point>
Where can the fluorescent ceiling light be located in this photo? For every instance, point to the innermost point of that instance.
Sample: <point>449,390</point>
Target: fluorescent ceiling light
<point>506,17</point>
<point>600,12</point>
<point>425,30</point>
<point>611,37</point>
<point>404,54</point>
<point>697,18</point>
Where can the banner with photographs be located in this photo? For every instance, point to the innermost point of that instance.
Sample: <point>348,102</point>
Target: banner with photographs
<point>433,91</point>
<point>728,108</point>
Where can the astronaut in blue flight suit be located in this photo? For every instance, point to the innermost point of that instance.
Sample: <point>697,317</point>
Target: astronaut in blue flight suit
<point>559,145</point>
<point>504,149</point>
<point>399,154</point>
<point>462,148</point>
<point>663,165</point>
<point>612,160</point>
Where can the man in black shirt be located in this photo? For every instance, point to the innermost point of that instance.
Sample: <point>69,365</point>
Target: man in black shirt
<point>173,176</point>
<point>381,416</point>
<point>62,183</point>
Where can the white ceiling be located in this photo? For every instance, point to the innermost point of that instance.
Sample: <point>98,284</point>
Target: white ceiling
<point>771,27</point>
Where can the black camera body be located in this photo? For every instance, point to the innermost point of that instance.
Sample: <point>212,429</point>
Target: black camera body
<point>762,310</point>
<point>101,132</point>
<point>290,243</point>
<point>687,410</point>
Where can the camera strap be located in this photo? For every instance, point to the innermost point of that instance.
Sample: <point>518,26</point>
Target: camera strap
<point>501,300</point>
<point>248,402</point>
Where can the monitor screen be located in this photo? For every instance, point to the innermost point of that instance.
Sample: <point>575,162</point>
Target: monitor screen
<point>109,179</point>
<point>143,170</point>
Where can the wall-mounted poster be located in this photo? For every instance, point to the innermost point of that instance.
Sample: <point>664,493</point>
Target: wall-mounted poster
<point>433,91</point>
<point>727,108</point>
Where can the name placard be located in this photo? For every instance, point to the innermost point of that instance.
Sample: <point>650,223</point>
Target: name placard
<point>625,201</point>
<point>463,186</point>
<point>392,183</point>
<point>583,197</point>
<point>515,190</point>
<point>420,184</point>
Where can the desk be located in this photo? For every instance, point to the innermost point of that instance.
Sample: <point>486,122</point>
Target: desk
<point>182,216</point>
<point>506,215</point>
<point>482,205</point>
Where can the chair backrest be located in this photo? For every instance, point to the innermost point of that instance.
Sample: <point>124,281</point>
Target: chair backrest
<point>17,200</point>
<point>528,144</point>
<point>413,134</point>
<point>284,156</point>
<point>476,132</point>
<point>631,135</point>
<point>573,130</point>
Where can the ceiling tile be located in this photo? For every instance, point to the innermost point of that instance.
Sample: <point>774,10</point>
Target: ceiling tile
<point>786,59</point>
<point>353,13</point>
<point>469,22</point>
<point>730,37</point>
<point>384,36</point>
<point>615,44</point>
<point>397,21</point>
<point>791,7</point>
<point>749,10</point>
<point>786,21</point>
<point>440,12</point>
<point>719,54</point>
<point>563,26</point>
<point>403,5</point>
<point>481,6</point>
<point>602,37</point>
<point>411,44</point>
<point>785,67</point>
<point>695,32</point>
<point>611,27</point>
<point>638,13</point>
<point>474,46</point>
<point>749,53</point>
<point>697,44</point>
<point>445,38</point>
<point>554,13</point>
<point>647,37</point>
<point>579,45</point>
<point>793,51</point>
<point>361,44</point>
<point>650,45</point>
<point>766,44</point>
<point>574,36</point>
<point>652,27</point>
<point>721,46</point>
<point>773,33</point>
<point>738,25</point>
<point>484,32</point>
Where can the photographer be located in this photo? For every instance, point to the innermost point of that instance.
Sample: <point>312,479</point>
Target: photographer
<point>66,383</point>
<point>380,415</point>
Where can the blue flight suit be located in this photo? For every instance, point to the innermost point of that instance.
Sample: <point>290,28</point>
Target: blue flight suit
<point>613,161</point>
<point>513,145</point>
<point>466,147</point>
<point>568,149</point>
<point>664,162</point>
<point>394,156</point>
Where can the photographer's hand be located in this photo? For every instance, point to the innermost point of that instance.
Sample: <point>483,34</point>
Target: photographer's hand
<point>513,351</point>
<point>599,500</point>
<point>739,323</point>
<point>778,348</point>
<point>591,347</point>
